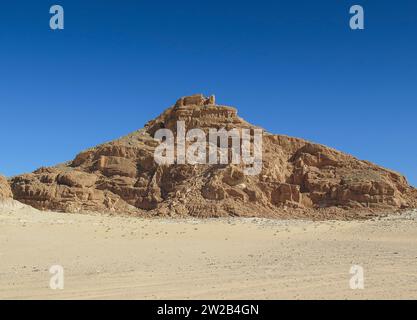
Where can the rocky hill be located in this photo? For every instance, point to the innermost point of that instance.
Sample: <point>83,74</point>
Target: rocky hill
<point>298,178</point>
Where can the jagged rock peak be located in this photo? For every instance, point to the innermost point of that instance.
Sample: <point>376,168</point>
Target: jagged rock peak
<point>196,100</point>
<point>197,111</point>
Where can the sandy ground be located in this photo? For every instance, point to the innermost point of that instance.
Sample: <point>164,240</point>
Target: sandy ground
<point>129,258</point>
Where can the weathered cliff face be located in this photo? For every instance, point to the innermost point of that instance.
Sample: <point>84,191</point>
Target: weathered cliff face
<point>298,178</point>
<point>5,191</point>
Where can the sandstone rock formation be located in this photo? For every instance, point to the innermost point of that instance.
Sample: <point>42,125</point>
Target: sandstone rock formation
<point>298,178</point>
<point>5,191</point>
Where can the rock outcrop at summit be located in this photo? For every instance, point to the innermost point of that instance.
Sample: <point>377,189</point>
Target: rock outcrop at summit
<point>298,178</point>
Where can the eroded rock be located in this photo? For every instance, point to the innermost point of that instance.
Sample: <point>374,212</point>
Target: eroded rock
<point>298,178</point>
<point>5,191</point>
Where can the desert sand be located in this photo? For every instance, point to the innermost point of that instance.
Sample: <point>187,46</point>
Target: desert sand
<point>114,257</point>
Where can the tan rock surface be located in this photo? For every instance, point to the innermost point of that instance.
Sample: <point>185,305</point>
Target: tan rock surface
<point>298,178</point>
<point>5,191</point>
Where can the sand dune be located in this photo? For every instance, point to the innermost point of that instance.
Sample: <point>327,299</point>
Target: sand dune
<point>120,257</point>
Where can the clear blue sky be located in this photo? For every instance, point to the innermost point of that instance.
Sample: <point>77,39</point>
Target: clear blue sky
<point>293,67</point>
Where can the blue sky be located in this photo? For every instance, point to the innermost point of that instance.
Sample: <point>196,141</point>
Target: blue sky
<point>292,67</point>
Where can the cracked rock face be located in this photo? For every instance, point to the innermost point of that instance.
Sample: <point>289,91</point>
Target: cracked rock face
<point>298,178</point>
